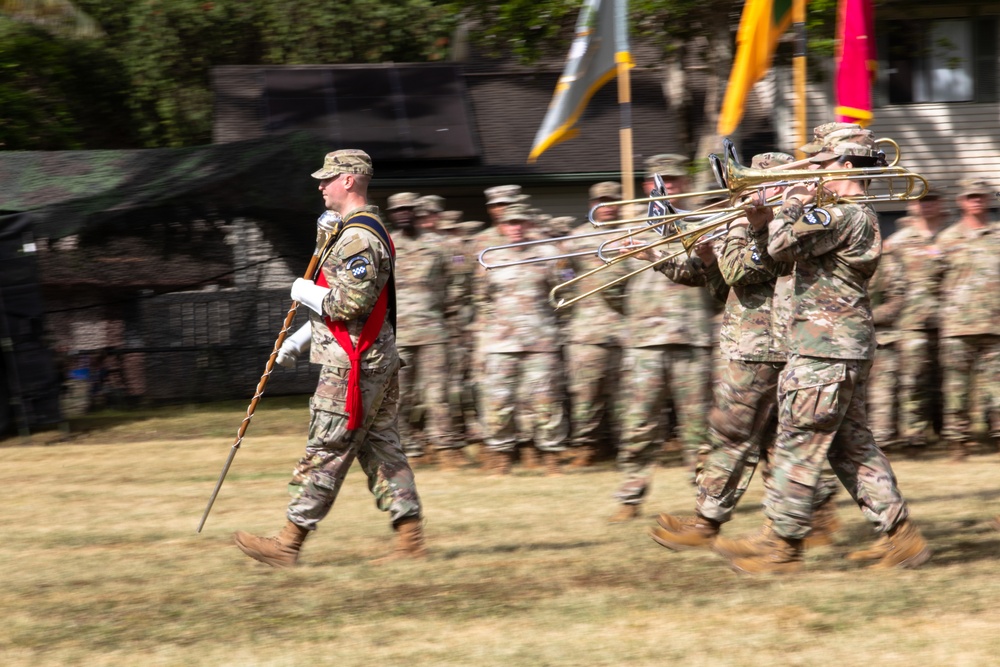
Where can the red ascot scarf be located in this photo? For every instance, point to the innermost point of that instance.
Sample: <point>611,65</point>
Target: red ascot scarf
<point>369,332</point>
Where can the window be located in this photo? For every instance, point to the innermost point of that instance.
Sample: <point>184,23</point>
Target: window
<point>942,60</point>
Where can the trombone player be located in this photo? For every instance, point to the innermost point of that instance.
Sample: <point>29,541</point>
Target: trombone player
<point>835,248</point>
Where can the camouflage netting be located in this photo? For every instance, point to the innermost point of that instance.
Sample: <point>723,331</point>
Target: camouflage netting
<point>70,191</point>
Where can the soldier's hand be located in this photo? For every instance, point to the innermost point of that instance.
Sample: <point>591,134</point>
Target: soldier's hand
<point>286,359</point>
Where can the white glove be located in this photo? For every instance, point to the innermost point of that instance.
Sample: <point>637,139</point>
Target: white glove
<point>309,294</point>
<point>294,346</point>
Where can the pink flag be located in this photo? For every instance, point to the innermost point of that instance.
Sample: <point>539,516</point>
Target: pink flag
<point>856,61</point>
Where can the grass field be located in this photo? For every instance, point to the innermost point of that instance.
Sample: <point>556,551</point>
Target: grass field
<point>100,565</point>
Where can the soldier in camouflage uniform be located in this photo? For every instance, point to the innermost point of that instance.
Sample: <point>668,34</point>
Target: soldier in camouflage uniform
<point>428,213</point>
<point>594,332</point>
<point>887,292</point>
<point>423,275</point>
<point>970,311</point>
<point>667,357</point>
<point>518,343</point>
<point>354,409</point>
<point>741,425</point>
<point>821,391</point>
<point>917,247</point>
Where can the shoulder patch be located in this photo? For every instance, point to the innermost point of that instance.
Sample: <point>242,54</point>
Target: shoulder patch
<point>359,266</point>
<point>817,216</point>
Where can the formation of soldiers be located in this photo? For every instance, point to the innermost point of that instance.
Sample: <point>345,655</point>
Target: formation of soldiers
<point>631,369</point>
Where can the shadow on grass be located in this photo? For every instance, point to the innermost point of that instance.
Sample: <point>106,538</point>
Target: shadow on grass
<point>450,554</point>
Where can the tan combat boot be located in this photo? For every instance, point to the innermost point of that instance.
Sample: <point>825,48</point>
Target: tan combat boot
<point>907,548</point>
<point>451,459</point>
<point>995,523</point>
<point>500,463</point>
<point>779,555</point>
<point>529,457</point>
<point>409,541</point>
<point>876,551</point>
<point>583,457</point>
<point>746,546</point>
<point>685,532</point>
<point>280,551</point>
<point>824,525</point>
<point>625,514</point>
<point>552,466</point>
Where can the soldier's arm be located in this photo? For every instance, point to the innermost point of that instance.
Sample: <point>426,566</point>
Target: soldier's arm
<point>887,306</point>
<point>795,234</point>
<point>352,271</point>
<point>744,258</point>
<point>685,270</point>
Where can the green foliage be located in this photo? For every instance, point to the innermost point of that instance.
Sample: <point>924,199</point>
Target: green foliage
<point>58,93</point>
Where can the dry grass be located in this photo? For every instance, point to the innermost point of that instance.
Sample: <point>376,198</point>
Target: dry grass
<point>101,566</point>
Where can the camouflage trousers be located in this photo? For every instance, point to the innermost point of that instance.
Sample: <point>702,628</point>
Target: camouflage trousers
<point>653,377</point>
<point>918,384</point>
<point>883,412</point>
<point>593,386</point>
<point>423,398</point>
<point>741,431</point>
<point>971,366</point>
<point>822,417</point>
<point>331,449</point>
<point>522,401</point>
<point>463,421</point>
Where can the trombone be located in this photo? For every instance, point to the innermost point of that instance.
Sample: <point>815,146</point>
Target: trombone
<point>550,241</point>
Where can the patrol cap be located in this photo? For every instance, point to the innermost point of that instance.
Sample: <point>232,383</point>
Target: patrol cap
<point>402,200</point>
<point>345,161</point>
<point>563,224</point>
<point>429,204</point>
<point>770,160</point>
<point>518,211</point>
<point>820,133</point>
<point>666,164</point>
<point>449,220</point>
<point>844,143</point>
<point>973,186</point>
<point>606,190</point>
<point>502,194</point>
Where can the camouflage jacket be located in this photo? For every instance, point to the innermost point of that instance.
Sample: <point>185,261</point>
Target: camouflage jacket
<point>887,291</point>
<point>923,266</point>
<point>670,312</point>
<point>356,268</point>
<point>459,308</point>
<point>597,319</point>
<point>513,313</point>
<point>970,290</point>
<point>422,265</point>
<point>747,332</point>
<point>836,250</point>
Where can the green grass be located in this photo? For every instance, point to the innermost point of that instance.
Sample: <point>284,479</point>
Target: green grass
<point>100,565</point>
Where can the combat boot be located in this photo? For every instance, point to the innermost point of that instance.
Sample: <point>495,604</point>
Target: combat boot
<point>583,457</point>
<point>744,547</point>
<point>778,555</point>
<point>958,451</point>
<point>685,532</point>
<point>529,457</point>
<point>451,459</point>
<point>824,525</point>
<point>878,550</point>
<point>552,466</point>
<point>625,514</point>
<point>280,551</point>
<point>995,523</point>
<point>500,463</point>
<point>409,541</point>
<point>907,548</point>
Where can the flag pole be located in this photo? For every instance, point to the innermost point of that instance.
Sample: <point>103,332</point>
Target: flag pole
<point>799,63</point>
<point>625,131</point>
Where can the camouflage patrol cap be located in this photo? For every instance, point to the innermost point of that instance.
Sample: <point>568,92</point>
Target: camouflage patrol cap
<point>518,211</point>
<point>847,142</point>
<point>973,186</point>
<point>562,224</point>
<point>429,204</point>
<point>402,200</point>
<point>502,194</point>
<point>770,160</point>
<point>345,161</point>
<point>606,190</point>
<point>821,132</point>
<point>666,164</point>
<point>449,220</point>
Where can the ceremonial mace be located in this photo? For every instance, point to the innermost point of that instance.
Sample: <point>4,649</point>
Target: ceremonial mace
<point>326,231</point>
